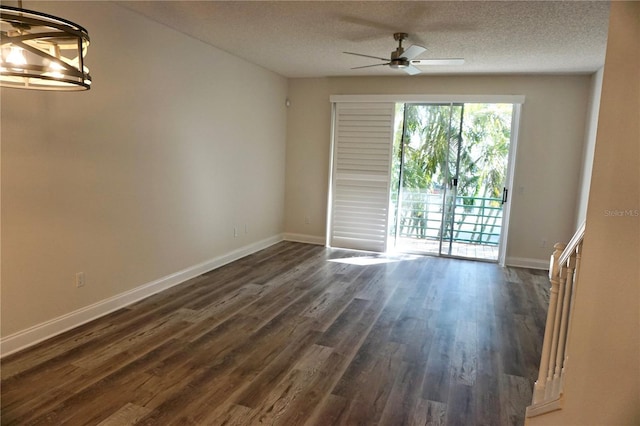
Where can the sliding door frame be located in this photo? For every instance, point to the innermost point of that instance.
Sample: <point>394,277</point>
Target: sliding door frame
<point>511,171</point>
<point>515,100</point>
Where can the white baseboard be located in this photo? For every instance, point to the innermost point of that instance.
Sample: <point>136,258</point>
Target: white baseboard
<point>525,262</point>
<point>32,335</point>
<point>303,238</point>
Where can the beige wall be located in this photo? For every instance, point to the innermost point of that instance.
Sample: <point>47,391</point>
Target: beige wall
<point>603,373</point>
<point>144,175</point>
<point>589,147</point>
<point>550,149</point>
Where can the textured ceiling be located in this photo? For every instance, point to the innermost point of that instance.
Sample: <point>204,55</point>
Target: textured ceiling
<point>307,38</point>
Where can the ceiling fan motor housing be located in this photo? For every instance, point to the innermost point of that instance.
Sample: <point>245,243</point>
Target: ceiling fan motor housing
<point>399,63</point>
<point>397,60</point>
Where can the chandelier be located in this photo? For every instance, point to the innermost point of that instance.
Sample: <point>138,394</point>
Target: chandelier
<point>42,52</point>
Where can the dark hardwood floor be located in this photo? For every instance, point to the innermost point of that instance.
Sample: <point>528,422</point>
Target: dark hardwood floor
<point>299,334</point>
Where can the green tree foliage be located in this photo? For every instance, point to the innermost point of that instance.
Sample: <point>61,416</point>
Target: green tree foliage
<point>486,136</point>
<point>483,145</point>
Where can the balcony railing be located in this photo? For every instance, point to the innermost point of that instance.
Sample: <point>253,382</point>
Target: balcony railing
<point>472,220</point>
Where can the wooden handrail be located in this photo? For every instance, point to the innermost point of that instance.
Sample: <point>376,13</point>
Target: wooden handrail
<point>571,246</point>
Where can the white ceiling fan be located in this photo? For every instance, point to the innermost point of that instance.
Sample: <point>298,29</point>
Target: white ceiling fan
<point>404,59</point>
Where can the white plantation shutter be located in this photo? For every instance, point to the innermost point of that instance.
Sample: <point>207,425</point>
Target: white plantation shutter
<point>363,141</point>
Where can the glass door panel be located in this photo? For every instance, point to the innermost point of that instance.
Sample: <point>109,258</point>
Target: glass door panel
<point>450,162</point>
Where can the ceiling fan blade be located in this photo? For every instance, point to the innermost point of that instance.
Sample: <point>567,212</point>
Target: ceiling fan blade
<point>413,51</point>
<point>450,61</point>
<point>411,70</point>
<point>366,56</point>
<point>369,66</point>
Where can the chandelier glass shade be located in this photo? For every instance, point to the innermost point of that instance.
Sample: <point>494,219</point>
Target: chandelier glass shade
<point>42,52</point>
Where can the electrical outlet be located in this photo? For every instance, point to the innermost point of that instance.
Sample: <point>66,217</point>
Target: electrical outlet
<point>235,231</point>
<point>543,243</point>
<point>307,220</point>
<point>79,279</point>
<point>246,228</point>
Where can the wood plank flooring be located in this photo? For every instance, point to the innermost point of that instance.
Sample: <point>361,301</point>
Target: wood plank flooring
<point>299,334</point>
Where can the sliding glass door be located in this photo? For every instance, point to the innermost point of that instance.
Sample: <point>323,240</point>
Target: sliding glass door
<point>448,178</point>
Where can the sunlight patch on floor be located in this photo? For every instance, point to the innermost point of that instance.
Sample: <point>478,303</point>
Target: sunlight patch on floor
<point>374,260</point>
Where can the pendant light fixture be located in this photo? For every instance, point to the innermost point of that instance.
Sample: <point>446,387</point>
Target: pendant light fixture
<point>42,52</point>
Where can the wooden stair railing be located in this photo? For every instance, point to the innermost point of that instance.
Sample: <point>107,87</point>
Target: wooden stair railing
<point>564,271</point>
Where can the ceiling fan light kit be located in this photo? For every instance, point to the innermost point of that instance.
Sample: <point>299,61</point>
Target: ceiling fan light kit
<point>42,52</point>
<point>404,59</point>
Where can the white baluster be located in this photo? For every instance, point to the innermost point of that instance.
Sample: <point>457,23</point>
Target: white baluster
<point>556,332</point>
<point>564,270</point>
<point>562,338</point>
<point>576,273</point>
<point>554,273</point>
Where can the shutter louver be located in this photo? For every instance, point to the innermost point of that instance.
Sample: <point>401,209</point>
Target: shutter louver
<point>363,141</point>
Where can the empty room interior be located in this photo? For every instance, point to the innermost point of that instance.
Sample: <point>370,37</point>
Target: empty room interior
<point>320,212</point>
